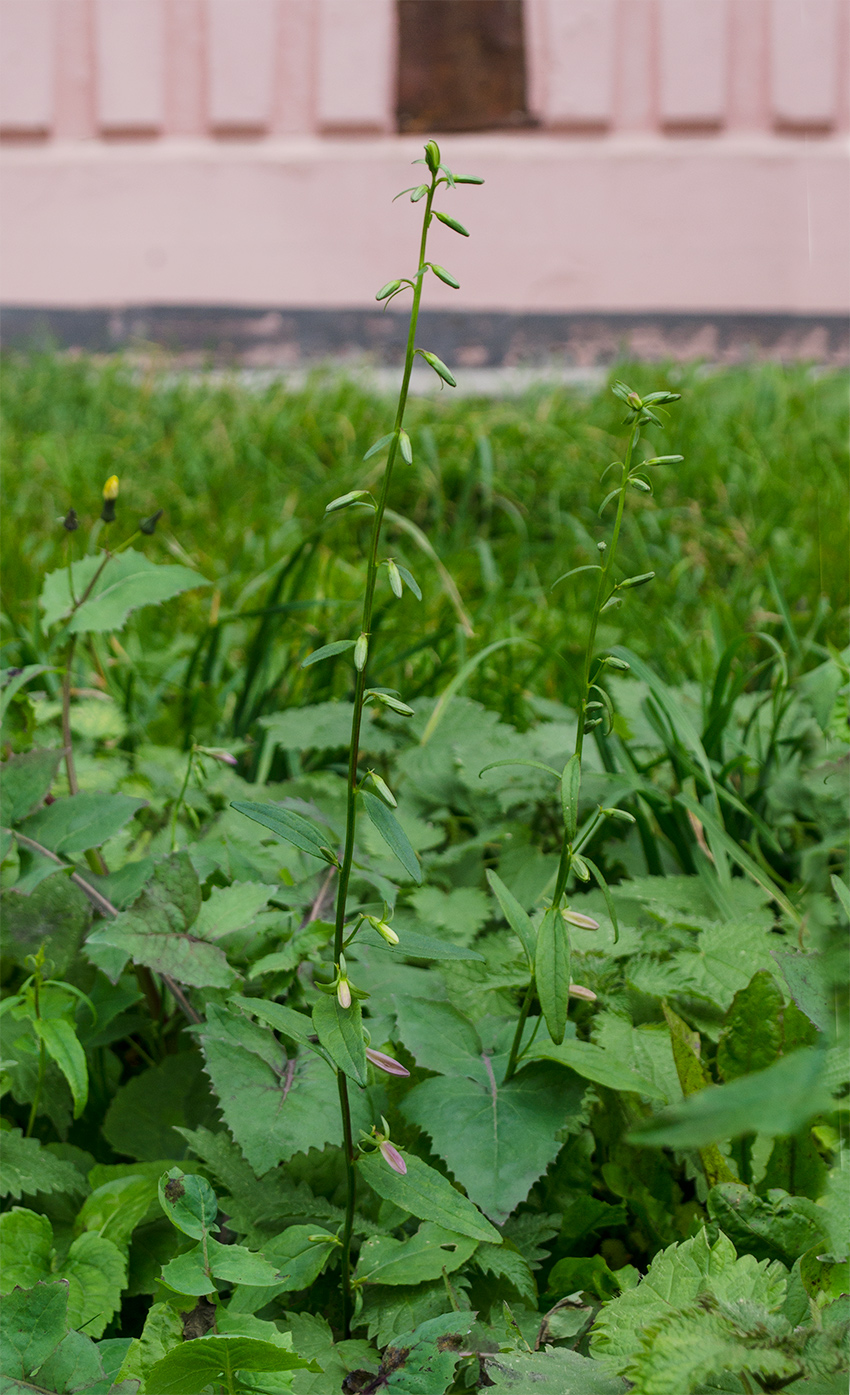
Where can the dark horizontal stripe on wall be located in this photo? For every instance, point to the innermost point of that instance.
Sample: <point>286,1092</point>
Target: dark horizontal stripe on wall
<point>283,338</point>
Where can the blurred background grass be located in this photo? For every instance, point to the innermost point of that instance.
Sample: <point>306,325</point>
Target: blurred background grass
<point>749,534</point>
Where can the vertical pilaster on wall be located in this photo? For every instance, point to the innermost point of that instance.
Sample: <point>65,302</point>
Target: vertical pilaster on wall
<point>804,54</point>
<point>693,62</point>
<point>241,53</point>
<point>571,62</point>
<point>27,46</point>
<point>356,65</point>
<point>130,56</point>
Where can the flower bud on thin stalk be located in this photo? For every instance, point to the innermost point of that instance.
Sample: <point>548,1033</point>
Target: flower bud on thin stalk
<point>398,445</point>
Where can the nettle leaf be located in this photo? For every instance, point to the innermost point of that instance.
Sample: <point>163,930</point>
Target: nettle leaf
<point>422,1362</point>
<point>427,1194</point>
<point>144,1115</point>
<point>273,1107</point>
<point>95,1269</point>
<point>155,931</point>
<point>114,1209</point>
<point>286,824</point>
<point>553,1371</point>
<point>776,1226</point>
<point>340,1031</point>
<point>685,1350</point>
<point>55,916</point>
<point>392,833</point>
<point>439,1037</point>
<point>87,820</point>
<point>676,1279</point>
<point>497,1139</point>
<point>29,1168</point>
<point>231,908</point>
<point>34,1322</point>
<point>505,1262</point>
<point>128,581</point>
<point>758,1027</point>
<point>324,726</point>
<point>24,781</point>
<point>423,1257</point>
<point>80,1366</point>
<point>412,945</point>
<point>189,1368</point>
<point>777,1101</point>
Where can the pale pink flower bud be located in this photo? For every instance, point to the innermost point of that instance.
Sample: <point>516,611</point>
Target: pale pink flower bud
<point>577,990</point>
<point>343,993</point>
<point>387,1063</point>
<point>392,1157</point>
<point>224,756</point>
<point>584,922</point>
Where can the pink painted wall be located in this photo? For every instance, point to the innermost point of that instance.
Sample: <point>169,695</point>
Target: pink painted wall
<point>690,155</point>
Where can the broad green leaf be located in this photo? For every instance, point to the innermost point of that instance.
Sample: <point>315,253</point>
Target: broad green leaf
<point>286,824</point>
<point>778,1100</point>
<point>114,1209</point>
<point>142,1119</point>
<point>758,1027</point>
<point>776,1226</point>
<point>424,1256</point>
<point>61,1044</point>
<point>13,680</point>
<point>439,1037</point>
<point>518,919</point>
<point>554,1371</point>
<point>723,842</point>
<point>230,908</point>
<point>589,1274</point>
<point>24,781</point>
<point>128,581</point>
<point>693,1078</point>
<point>412,945</point>
<point>188,1201</point>
<point>422,1362</point>
<point>392,833</point>
<point>804,975</point>
<point>191,1367</point>
<point>324,726</point>
<point>26,1245</point>
<point>677,1277</point>
<point>157,931</point>
<point>32,1324</point>
<point>80,1366</point>
<point>570,790</point>
<point>190,1272</point>
<point>340,1031</point>
<point>274,1108</point>
<point>394,1309</point>
<point>497,1139</point>
<point>552,972</point>
<point>72,825</point>
<point>425,1193</point>
<point>295,1025</point>
<point>596,1064</point>
<point>29,1167</point>
<point>55,916</point>
<point>505,1262</point>
<point>97,1273</point>
<point>299,1254</point>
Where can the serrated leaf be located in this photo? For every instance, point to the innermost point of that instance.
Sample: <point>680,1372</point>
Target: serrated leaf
<point>509,1134</point>
<point>156,931</point>
<point>596,1064</point>
<point>552,972</point>
<point>340,1031</point>
<point>114,1209</point>
<point>425,1193</point>
<point>230,908</point>
<point>189,1368</point>
<point>295,1025</point>
<point>777,1101</point>
<point>553,1371</point>
<point>299,1254</point>
<point>128,581</point>
<point>84,821</point>
<point>142,1119</point>
<point>28,1167</point>
<point>776,1226</point>
<point>392,833</point>
<point>286,824</point>
<point>505,1262</point>
<point>34,1321</point>
<point>416,1260</point>
<point>758,1027</point>
<point>24,781</point>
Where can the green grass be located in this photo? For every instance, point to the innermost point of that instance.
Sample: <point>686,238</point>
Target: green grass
<point>749,534</point>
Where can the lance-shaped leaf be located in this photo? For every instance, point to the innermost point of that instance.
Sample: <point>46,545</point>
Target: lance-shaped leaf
<point>340,1030</point>
<point>328,651</point>
<point>518,919</point>
<point>292,827</point>
<point>570,789</point>
<point>155,931</point>
<point>552,972</point>
<point>693,1077</point>
<point>392,833</point>
<point>61,1044</point>
<point>597,1064</point>
<point>412,945</point>
<point>424,1192</point>
<point>379,445</point>
<point>127,581</point>
<point>295,1025</point>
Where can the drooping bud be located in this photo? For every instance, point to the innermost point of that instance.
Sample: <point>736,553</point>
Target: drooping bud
<point>388,290</point>
<point>394,575</point>
<point>70,521</point>
<point>110,494</point>
<point>577,990</point>
<point>148,525</point>
<point>392,1157</point>
<point>343,994</point>
<point>619,664</point>
<point>387,1063</point>
<point>361,652</point>
<point>583,922</point>
<point>383,789</point>
<point>384,930</point>
<point>631,581</point>
<point>216,753</point>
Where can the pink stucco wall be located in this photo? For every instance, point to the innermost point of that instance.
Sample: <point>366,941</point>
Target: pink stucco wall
<point>690,155</point>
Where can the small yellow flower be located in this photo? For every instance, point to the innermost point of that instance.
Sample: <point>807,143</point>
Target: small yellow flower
<point>110,489</point>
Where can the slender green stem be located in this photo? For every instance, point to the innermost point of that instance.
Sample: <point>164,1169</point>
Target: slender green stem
<point>356,721</point>
<point>67,740</point>
<point>181,796</point>
<point>520,1027</point>
<point>42,1053</point>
